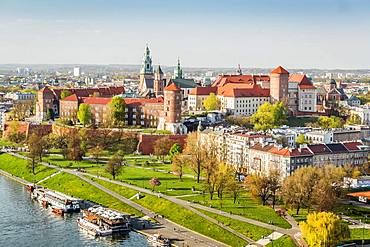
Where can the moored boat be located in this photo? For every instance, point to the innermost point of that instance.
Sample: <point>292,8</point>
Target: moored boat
<point>100,221</point>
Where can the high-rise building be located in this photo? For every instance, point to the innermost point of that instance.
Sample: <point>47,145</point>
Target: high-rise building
<point>76,71</point>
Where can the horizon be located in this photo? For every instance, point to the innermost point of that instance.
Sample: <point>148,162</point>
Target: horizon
<point>325,35</point>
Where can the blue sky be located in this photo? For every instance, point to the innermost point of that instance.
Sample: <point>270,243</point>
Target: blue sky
<point>203,33</point>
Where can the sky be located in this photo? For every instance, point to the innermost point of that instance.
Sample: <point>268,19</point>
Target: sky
<point>326,34</point>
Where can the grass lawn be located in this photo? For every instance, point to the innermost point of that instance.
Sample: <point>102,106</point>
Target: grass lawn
<point>178,214</point>
<point>60,161</point>
<point>302,216</point>
<point>170,184</point>
<point>251,231</point>
<point>284,241</point>
<point>73,186</point>
<point>19,167</point>
<point>359,234</point>
<point>5,142</point>
<point>355,212</point>
<point>245,206</point>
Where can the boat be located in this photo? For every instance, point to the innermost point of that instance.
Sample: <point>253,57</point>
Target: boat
<point>100,221</point>
<point>158,240</point>
<point>56,199</point>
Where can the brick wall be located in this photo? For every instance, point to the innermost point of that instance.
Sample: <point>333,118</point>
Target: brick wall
<point>146,142</point>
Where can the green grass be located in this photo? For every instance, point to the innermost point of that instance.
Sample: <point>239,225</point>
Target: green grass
<point>251,231</point>
<point>284,241</point>
<point>60,161</point>
<point>19,167</point>
<point>178,214</point>
<point>359,234</point>
<point>5,142</point>
<point>302,216</point>
<point>355,212</point>
<point>245,206</point>
<point>170,184</point>
<point>74,186</point>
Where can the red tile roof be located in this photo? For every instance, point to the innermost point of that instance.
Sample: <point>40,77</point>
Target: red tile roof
<point>302,80</point>
<point>279,70</point>
<point>352,146</point>
<point>203,90</point>
<point>319,149</point>
<point>172,87</point>
<point>243,90</point>
<point>141,101</point>
<point>222,80</point>
<point>72,97</point>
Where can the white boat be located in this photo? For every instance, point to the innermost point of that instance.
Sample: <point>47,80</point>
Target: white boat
<point>100,221</point>
<point>93,229</point>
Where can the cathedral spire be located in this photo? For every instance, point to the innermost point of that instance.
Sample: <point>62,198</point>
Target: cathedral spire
<point>146,66</point>
<point>177,73</point>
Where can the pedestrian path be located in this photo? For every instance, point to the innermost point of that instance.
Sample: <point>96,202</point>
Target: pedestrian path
<point>272,237</point>
<point>52,175</point>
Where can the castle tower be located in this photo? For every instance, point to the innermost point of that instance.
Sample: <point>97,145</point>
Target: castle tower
<point>158,81</point>
<point>172,103</point>
<point>146,71</point>
<point>171,117</point>
<point>177,73</point>
<point>279,81</point>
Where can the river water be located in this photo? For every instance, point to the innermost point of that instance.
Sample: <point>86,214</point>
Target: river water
<point>23,222</point>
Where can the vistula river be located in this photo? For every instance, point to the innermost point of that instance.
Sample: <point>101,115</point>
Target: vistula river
<point>23,222</point>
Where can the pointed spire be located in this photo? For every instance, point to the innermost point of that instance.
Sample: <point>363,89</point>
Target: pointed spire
<point>159,70</point>
<point>177,73</point>
<point>146,67</point>
<point>239,70</point>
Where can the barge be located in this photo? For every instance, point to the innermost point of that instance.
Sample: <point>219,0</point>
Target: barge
<point>99,221</point>
<point>59,202</point>
<point>158,240</point>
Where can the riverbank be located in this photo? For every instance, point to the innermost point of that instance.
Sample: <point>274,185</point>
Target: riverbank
<point>68,183</point>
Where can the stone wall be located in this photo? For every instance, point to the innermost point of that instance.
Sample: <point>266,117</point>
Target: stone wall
<point>28,129</point>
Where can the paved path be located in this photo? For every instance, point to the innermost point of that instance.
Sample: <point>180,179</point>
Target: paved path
<point>181,235</point>
<point>293,232</point>
<point>52,175</point>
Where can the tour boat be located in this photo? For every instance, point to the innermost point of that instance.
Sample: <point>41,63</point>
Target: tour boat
<point>100,221</point>
<point>56,199</point>
<point>158,240</point>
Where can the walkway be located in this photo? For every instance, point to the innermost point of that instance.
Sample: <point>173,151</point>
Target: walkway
<point>52,175</point>
<point>293,232</point>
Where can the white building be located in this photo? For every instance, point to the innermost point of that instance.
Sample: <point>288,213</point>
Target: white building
<point>76,71</point>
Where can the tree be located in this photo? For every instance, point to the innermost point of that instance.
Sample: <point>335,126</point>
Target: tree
<point>330,122</point>
<point>324,229</point>
<point>233,187</point>
<point>175,149</point>
<point>298,188</point>
<point>36,145</point>
<point>178,165</point>
<point>154,182</point>
<point>75,151</point>
<point>14,134</point>
<point>162,147</point>
<point>21,110</point>
<point>301,139</point>
<point>354,119</point>
<point>84,114</point>
<point>96,153</point>
<point>259,187</point>
<point>35,151</point>
<point>65,93</point>
<point>114,166</point>
<point>211,103</point>
<point>117,111</point>
<point>269,116</point>
<point>195,153</point>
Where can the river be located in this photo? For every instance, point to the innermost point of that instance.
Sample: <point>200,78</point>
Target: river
<point>24,223</point>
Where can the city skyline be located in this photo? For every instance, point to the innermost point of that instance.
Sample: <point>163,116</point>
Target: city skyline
<point>306,34</point>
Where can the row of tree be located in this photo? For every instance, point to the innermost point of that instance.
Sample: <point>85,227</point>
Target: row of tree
<point>307,187</point>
